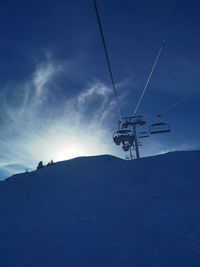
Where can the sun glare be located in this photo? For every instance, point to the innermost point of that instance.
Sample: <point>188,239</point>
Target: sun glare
<point>70,151</point>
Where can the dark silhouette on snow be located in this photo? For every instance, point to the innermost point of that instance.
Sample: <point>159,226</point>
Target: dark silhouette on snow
<point>50,163</point>
<point>40,165</point>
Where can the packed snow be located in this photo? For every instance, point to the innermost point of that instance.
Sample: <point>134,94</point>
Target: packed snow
<point>103,211</point>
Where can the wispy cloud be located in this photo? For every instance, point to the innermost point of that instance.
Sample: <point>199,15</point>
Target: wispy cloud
<point>43,75</point>
<point>43,125</point>
<point>40,122</point>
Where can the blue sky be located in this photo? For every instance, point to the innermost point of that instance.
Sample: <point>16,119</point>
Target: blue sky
<point>55,92</point>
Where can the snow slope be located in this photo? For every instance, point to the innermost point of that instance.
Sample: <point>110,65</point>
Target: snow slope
<point>103,211</point>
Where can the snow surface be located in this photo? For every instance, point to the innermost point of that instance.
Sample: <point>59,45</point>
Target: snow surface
<point>103,211</point>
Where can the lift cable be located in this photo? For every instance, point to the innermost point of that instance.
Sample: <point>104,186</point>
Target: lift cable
<point>182,99</point>
<point>167,109</point>
<point>158,54</point>
<point>107,57</point>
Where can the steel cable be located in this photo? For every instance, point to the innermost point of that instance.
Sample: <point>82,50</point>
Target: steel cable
<point>158,54</point>
<point>107,57</point>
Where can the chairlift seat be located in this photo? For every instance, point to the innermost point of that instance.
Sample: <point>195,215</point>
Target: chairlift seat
<point>126,147</point>
<point>160,127</point>
<point>143,134</point>
<point>123,136</point>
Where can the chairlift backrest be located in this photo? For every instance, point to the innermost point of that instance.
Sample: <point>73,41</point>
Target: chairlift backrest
<point>160,127</point>
<point>143,134</point>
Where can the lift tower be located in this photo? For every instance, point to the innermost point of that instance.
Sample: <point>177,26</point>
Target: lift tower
<point>127,134</point>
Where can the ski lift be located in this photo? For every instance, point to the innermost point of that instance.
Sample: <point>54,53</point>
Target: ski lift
<point>126,135</point>
<point>123,136</point>
<point>160,127</point>
<point>139,144</point>
<point>128,122</point>
<point>126,147</point>
<point>143,134</point>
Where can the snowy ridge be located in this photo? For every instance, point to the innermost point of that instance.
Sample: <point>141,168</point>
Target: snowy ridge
<point>104,211</point>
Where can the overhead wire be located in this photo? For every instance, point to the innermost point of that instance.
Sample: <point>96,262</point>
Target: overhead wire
<point>182,99</point>
<point>107,57</point>
<point>163,43</point>
<point>167,109</point>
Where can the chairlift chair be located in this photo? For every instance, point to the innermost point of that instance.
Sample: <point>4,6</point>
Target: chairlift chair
<point>143,134</point>
<point>127,122</point>
<point>126,147</point>
<point>123,136</point>
<point>160,127</point>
